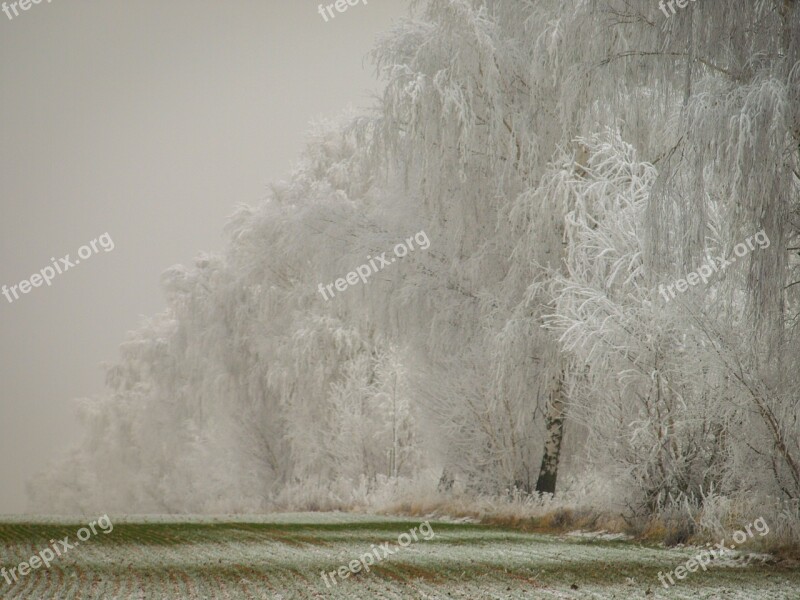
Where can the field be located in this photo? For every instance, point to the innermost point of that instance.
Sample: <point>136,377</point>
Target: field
<point>282,558</point>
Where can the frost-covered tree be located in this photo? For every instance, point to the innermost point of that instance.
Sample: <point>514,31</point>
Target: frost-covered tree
<point>564,158</point>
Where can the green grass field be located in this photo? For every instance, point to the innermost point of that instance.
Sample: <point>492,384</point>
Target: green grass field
<point>283,559</point>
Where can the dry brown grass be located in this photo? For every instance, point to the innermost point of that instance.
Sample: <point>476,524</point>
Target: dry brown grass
<point>659,529</point>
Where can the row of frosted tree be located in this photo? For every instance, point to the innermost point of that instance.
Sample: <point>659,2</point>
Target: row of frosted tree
<point>565,158</point>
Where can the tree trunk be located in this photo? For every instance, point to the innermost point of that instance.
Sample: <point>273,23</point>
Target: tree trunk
<point>446,481</point>
<point>554,427</point>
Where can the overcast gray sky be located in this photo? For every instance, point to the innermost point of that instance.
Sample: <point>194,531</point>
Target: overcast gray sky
<point>150,121</point>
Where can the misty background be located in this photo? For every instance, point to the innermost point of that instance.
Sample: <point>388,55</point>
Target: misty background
<point>150,121</point>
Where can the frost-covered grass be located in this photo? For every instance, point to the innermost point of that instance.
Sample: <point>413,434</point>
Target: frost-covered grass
<point>281,557</point>
<point>298,518</point>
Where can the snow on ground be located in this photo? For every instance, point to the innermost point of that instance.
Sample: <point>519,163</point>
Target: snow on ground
<point>599,535</point>
<point>281,557</point>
